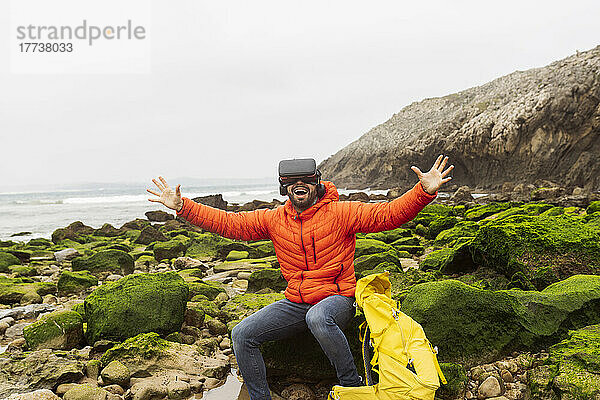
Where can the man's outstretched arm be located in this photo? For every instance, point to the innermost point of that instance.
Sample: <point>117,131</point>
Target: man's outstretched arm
<point>243,225</point>
<point>368,217</point>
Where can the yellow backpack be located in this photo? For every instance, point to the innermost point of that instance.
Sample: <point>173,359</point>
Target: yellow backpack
<point>408,366</point>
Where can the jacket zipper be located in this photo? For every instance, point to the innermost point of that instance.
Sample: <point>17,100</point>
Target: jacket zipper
<point>314,250</point>
<point>305,261</point>
<point>336,278</point>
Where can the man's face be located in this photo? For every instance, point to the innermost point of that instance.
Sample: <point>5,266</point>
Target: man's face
<point>302,195</point>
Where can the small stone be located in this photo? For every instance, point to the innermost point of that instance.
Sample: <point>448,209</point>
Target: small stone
<point>148,389</point>
<point>469,395</point>
<point>3,327</point>
<point>113,277</point>
<point>178,390</point>
<point>507,376</point>
<point>115,389</point>
<point>244,275</point>
<point>216,327</point>
<point>298,391</point>
<point>221,298</point>
<point>49,299</point>
<point>211,383</point>
<point>225,344</point>
<point>489,388</point>
<point>116,373</point>
<point>42,394</point>
<point>513,394</point>
<point>85,392</point>
<point>64,388</point>
<point>9,320</point>
<point>476,373</point>
<point>93,369</point>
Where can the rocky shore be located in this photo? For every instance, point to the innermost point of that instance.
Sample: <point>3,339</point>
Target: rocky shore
<point>506,285</point>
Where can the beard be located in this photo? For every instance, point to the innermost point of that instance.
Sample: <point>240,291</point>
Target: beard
<point>302,202</point>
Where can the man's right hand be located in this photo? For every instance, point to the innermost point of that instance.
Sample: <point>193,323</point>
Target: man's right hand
<point>167,196</point>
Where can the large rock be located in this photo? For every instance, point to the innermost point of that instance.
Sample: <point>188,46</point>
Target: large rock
<point>159,216</point>
<point>116,261</point>
<point>520,127</point>
<point>42,394</point>
<point>471,325</point>
<point>60,330</point>
<point>213,200</point>
<point>370,246</point>
<point>136,304</point>
<point>205,247</point>
<point>75,282</point>
<point>173,248</point>
<point>74,232</point>
<point>532,244</point>
<point>148,354</point>
<point>40,369</point>
<point>85,392</point>
<point>16,290</point>
<point>108,230</point>
<point>7,260</point>
<point>150,234</point>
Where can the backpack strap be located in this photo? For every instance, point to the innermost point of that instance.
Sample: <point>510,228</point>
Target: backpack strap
<point>365,340</point>
<point>437,365</point>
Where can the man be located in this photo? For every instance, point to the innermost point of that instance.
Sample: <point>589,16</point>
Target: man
<point>314,235</point>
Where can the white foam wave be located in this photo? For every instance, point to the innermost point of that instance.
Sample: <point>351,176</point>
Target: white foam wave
<point>106,199</point>
<point>36,202</point>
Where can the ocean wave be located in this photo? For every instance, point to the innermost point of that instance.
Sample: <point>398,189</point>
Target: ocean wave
<point>106,199</point>
<point>35,202</point>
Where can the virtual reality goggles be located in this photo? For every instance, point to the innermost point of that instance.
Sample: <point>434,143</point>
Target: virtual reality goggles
<point>303,169</point>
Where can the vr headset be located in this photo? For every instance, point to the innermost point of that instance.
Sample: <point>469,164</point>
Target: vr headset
<point>302,169</point>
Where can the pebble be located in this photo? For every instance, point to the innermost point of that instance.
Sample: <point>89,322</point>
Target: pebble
<point>490,387</point>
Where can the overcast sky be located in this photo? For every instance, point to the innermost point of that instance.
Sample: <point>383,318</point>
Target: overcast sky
<point>235,86</point>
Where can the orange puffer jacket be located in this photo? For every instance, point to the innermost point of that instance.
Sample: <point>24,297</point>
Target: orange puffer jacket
<point>315,249</point>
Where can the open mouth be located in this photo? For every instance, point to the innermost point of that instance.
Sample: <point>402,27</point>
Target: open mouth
<point>300,191</point>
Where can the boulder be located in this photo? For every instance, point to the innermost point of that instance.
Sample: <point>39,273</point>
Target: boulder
<point>159,216</point>
<point>66,255</point>
<point>528,243</point>
<point>105,261</point>
<point>150,234</point>
<point>205,246</point>
<point>108,230</point>
<point>451,260</point>
<point>371,261</point>
<point>461,229</point>
<point>41,369</point>
<point>72,232</point>
<point>480,212</point>
<point>266,278</point>
<point>116,373</point>
<point>7,260</point>
<point>42,394</point>
<point>389,236</point>
<point>173,248</point>
<point>136,225</point>
<point>235,255</point>
<point>462,195</point>
<point>60,330</point>
<point>136,304</point>
<point>440,224</point>
<point>75,282</point>
<point>85,392</point>
<point>213,200</point>
<point>16,290</point>
<point>498,322</point>
<point>370,246</point>
<point>148,354</point>
<point>205,288</point>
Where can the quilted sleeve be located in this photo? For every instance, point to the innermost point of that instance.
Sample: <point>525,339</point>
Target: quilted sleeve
<point>246,225</point>
<point>377,217</point>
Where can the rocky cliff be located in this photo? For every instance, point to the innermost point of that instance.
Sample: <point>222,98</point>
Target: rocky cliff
<point>542,123</point>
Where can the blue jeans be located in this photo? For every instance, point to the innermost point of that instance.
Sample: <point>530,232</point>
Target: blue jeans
<point>284,318</point>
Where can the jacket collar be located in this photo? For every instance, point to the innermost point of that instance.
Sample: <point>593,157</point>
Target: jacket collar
<point>331,194</point>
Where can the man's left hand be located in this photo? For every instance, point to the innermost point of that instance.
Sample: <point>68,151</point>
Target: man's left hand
<point>432,180</point>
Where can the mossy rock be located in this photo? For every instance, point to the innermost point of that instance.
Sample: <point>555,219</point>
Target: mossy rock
<point>75,282</point>
<point>150,234</point>
<point>85,392</point>
<point>439,209</point>
<point>205,288</point>
<point>264,248</point>
<point>79,308</point>
<point>248,264</point>
<point>116,261</point>
<point>406,241</point>
<point>75,232</point>
<point>205,246</point>
<point>144,346</point>
<point>440,224</point>
<point>61,330</point>
<point>371,261</point>
<point>145,260</point>
<point>410,249</point>
<point>41,242</point>
<point>7,260</point>
<point>210,310</point>
<point>385,266</point>
<point>421,230</point>
<point>370,246</point>
<point>593,207</point>
<point>480,212</point>
<point>402,282</point>
<point>171,249</point>
<point>245,304</point>
<point>266,278</point>
<point>136,304</point>
<point>529,243</point>
<point>13,290</point>
<point>461,229</point>
<point>22,270</point>
<point>473,326</point>
<point>224,251</point>
<point>389,236</point>
<point>520,281</point>
<point>235,255</point>
<point>554,211</point>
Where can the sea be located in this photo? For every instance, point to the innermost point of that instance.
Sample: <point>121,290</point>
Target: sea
<point>33,213</point>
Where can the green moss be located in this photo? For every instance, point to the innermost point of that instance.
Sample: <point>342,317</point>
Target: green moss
<point>562,242</point>
<point>173,248</point>
<point>461,229</point>
<point>480,212</point>
<point>402,282</point>
<point>389,236</point>
<point>593,207</point>
<point>206,288</point>
<point>456,376</point>
<point>370,246</point>
<point>12,290</point>
<point>6,260</point>
<point>262,249</point>
<point>145,345</point>
<point>106,260</point>
<point>22,270</point>
<point>441,224</point>
<point>245,304</point>
<point>436,259</point>
<point>235,255</point>
<point>371,261</point>
<point>205,246</point>
<point>136,304</point>
<point>57,330</point>
<point>75,282</point>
